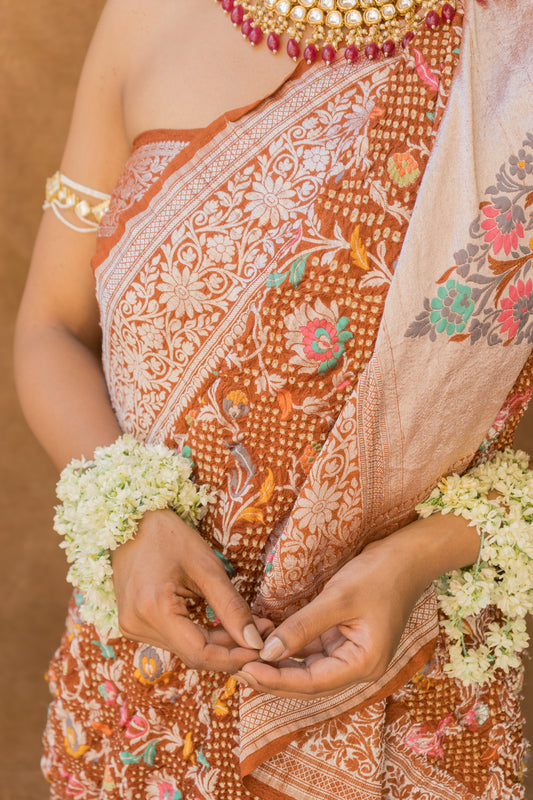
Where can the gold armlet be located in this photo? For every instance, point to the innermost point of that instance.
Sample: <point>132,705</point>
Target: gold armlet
<point>63,196</point>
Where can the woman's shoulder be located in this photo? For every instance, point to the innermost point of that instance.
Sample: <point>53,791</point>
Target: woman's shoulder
<point>97,144</point>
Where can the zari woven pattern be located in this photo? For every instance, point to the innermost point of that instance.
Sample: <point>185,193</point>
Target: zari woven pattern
<point>241,294</point>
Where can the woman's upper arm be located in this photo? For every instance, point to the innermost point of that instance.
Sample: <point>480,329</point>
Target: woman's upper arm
<point>97,145</point>
<point>60,287</point>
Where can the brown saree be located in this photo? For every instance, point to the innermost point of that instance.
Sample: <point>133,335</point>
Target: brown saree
<point>325,302</point>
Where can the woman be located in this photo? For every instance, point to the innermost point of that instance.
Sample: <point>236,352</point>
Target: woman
<point>271,301</point>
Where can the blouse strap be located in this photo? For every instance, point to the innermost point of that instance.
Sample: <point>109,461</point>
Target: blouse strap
<point>63,195</point>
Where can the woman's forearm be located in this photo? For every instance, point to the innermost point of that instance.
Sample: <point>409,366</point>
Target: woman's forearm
<point>437,544</point>
<point>427,548</point>
<point>63,393</point>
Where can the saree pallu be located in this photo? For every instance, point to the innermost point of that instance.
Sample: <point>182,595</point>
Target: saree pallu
<point>324,301</point>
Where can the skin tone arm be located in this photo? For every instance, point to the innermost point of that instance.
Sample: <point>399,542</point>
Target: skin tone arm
<point>64,396</point>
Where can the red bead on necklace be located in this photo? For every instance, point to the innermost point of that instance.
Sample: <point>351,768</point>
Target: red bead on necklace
<point>375,27</point>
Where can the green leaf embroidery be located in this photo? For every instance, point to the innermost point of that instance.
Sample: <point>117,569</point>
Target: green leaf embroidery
<point>297,270</point>
<point>107,650</point>
<point>276,278</point>
<point>149,753</point>
<point>129,758</point>
<point>295,273</point>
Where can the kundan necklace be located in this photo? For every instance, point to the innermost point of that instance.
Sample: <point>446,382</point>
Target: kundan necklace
<point>373,26</point>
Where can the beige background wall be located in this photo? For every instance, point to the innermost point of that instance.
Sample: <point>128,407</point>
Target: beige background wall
<point>42,43</point>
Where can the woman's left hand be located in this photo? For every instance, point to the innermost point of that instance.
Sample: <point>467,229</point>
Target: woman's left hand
<point>348,634</point>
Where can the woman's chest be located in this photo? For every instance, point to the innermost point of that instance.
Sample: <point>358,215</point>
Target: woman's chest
<point>191,66</point>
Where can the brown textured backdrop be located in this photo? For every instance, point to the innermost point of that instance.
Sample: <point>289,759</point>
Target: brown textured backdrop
<point>42,43</point>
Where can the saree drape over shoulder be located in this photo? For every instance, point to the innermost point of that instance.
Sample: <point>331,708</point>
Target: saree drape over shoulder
<point>325,302</point>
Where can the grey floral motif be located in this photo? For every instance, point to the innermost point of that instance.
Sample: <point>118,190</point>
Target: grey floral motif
<point>521,164</point>
<point>487,292</point>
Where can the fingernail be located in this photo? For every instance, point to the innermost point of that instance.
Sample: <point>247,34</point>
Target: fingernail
<point>241,679</point>
<point>273,649</point>
<point>252,637</point>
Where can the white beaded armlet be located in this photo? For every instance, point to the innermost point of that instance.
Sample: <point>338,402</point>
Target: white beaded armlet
<point>62,196</point>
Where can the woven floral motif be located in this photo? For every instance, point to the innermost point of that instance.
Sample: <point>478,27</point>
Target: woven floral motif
<point>497,306</point>
<point>240,306</point>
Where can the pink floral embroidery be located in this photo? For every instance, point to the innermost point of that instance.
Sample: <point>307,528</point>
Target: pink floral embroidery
<point>503,225</point>
<point>137,727</point>
<point>167,791</point>
<point>321,341</point>
<point>109,692</point>
<point>517,307</point>
<point>476,716</point>
<point>493,270</point>
<point>422,739</point>
<point>511,405</point>
<point>316,334</point>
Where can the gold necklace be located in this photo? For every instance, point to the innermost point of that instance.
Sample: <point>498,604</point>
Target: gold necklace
<point>374,26</point>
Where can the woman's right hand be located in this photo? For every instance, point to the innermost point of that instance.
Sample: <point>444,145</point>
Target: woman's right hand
<point>167,562</point>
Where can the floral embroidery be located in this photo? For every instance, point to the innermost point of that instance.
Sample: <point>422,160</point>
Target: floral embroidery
<point>75,737</point>
<point>422,739</point>
<point>316,334</point>
<point>504,225</point>
<point>317,158</point>
<point>488,293</point>
<point>235,404</point>
<point>403,169</point>
<point>220,248</point>
<point>517,308</point>
<point>315,509</point>
<point>452,308</point>
<point>270,201</point>
<point>109,692</point>
<point>522,164</point>
<point>323,342</point>
<point>152,665</point>
<point>476,716</point>
<point>510,407</point>
<point>194,282</point>
<point>181,292</point>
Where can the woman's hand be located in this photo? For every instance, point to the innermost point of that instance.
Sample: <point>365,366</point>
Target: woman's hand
<point>348,634</point>
<point>166,563</point>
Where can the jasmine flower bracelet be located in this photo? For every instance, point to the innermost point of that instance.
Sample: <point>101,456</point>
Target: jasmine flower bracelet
<point>503,573</point>
<point>102,502</point>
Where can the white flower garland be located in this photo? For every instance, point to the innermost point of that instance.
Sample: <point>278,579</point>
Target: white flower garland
<point>503,574</point>
<point>103,501</point>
